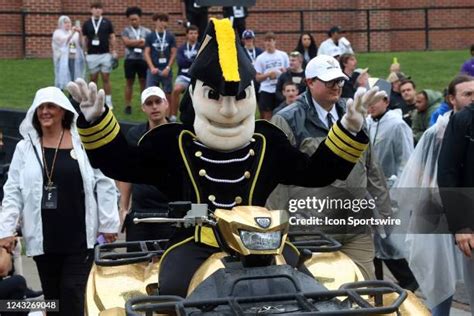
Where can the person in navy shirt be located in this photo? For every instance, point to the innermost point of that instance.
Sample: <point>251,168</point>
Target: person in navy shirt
<point>160,53</point>
<point>185,57</point>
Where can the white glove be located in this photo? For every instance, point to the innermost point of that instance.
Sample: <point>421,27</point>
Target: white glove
<point>90,101</point>
<point>354,118</point>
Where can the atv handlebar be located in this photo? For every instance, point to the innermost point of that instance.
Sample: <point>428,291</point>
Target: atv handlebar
<point>187,221</point>
<point>196,215</point>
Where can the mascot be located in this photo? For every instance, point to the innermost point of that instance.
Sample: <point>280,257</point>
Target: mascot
<point>226,158</point>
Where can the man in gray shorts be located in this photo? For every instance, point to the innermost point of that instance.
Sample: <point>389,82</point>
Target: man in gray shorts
<point>99,39</point>
<point>185,57</point>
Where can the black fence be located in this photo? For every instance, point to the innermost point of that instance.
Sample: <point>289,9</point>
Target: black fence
<point>367,25</point>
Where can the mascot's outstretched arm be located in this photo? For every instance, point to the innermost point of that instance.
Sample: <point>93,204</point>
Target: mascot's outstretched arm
<point>106,147</point>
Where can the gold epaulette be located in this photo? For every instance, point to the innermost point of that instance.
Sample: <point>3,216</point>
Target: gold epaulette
<point>100,134</point>
<point>343,145</point>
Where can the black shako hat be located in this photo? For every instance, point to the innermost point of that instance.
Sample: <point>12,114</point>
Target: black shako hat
<point>221,61</point>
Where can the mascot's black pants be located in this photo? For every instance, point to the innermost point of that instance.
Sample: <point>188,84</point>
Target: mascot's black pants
<point>178,266</point>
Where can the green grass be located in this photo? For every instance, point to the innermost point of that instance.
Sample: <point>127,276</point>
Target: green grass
<point>19,79</point>
<point>429,70</point>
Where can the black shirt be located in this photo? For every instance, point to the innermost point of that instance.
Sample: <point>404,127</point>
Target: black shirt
<point>349,89</point>
<point>105,29</point>
<point>408,110</point>
<point>64,228</point>
<point>192,8</point>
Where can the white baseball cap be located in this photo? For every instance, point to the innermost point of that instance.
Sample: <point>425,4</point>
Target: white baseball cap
<point>152,91</point>
<point>325,68</point>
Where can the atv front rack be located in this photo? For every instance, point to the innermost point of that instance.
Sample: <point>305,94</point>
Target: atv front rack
<point>350,301</point>
<point>116,254</point>
<point>313,241</point>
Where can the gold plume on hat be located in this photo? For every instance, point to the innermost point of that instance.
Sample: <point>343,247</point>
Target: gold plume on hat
<point>225,37</point>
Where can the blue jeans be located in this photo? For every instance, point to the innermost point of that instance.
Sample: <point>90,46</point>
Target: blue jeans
<point>442,309</point>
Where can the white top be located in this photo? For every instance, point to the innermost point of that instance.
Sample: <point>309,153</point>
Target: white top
<point>266,62</point>
<point>345,46</point>
<point>323,114</point>
<point>60,42</point>
<point>328,47</point>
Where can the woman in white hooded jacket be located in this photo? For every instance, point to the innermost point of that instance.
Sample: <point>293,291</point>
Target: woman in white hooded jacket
<point>64,204</point>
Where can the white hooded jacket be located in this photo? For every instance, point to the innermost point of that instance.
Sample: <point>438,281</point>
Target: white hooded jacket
<point>23,189</point>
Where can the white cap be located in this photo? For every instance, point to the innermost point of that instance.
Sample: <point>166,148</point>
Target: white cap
<point>325,68</point>
<point>152,91</point>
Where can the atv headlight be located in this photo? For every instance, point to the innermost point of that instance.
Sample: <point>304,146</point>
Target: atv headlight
<point>261,241</point>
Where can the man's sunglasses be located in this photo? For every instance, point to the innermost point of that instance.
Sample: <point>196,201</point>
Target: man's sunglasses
<point>333,83</point>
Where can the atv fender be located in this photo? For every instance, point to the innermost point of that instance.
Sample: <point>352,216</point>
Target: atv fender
<point>109,287</point>
<point>332,269</point>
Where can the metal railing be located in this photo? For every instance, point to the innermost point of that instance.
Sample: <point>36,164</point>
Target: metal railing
<point>303,17</point>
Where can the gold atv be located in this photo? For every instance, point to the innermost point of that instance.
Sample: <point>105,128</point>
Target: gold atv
<point>248,277</point>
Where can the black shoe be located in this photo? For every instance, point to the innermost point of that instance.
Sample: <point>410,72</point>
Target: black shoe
<point>128,109</point>
<point>29,293</point>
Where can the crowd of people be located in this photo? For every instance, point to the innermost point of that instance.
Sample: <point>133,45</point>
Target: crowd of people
<point>410,139</point>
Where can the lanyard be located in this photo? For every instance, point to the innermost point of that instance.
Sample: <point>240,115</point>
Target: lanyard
<point>49,174</point>
<point>96,26</point>
<point>161,41</point>
<point>252,53</point>
<point>189,52</point>
<point>137,34</point>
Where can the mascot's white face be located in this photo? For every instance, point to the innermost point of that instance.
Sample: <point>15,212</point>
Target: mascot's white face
<point>223,122</point>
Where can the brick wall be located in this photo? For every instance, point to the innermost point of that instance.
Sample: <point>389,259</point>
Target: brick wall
<point>39,27</point>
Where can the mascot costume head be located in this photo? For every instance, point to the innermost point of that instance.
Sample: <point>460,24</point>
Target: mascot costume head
<point>222,90</point>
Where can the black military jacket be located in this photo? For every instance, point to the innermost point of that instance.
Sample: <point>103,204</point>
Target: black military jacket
<point>172,158</point>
